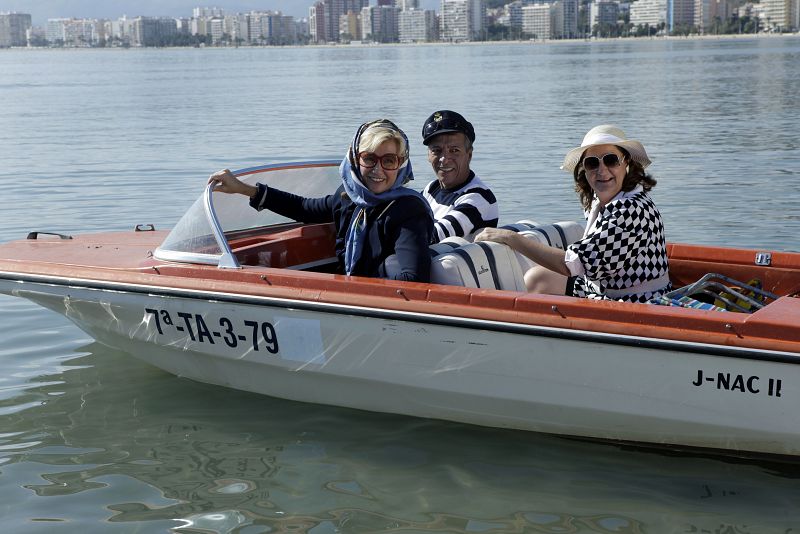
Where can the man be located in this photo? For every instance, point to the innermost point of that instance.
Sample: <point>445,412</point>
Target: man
<point>462,204</point>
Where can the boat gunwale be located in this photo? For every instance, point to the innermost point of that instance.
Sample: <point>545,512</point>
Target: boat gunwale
<point>570,333</point>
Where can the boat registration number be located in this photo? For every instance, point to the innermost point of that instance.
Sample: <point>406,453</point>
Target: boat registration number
<point>260,335</point>
<point>737,382</point>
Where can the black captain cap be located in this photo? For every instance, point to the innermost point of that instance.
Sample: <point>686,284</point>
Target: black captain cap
<point>446,121</point>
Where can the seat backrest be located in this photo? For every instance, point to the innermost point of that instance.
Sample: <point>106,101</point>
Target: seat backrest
<point>446,245</point>
<point>455,261</point>
<point>480,265</point>
<point>560,234</point>
<point>442,247</point>
<point>520,226</point>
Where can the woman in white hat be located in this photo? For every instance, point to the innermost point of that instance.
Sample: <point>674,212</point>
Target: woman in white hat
<point>623,253</point>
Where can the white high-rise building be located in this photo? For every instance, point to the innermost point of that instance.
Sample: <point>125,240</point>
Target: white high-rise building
<point>556,20</point>
<point>54,30</point>
<point>652,12</point>
<point>216,29</point>
<point>565,19</point>
<point>153,31</point>
<point>71,32</point>
<point>537,21</point>
<point>418,26</point>
<point>782,15</point>
<point>121,29</point>
<point>238,27</point>
<point>14,28</point>
<point>271,27</point>
<point>462,20</point>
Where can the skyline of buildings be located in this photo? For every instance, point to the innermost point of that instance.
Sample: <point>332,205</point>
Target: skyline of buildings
<point>398,21</point>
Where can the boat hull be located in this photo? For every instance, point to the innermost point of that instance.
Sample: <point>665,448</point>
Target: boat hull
<point>491,373</point>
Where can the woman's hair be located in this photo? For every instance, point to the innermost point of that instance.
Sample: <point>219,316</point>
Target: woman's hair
<point>379,132</point>
<point>633,177</point>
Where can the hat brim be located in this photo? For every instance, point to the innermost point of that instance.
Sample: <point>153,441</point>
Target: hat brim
<point>632,147</point>
<point>440,132</point>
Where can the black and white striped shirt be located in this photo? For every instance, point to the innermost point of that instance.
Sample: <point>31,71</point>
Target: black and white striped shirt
<point>461,212</point>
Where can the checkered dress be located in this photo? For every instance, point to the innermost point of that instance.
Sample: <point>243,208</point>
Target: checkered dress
<point>624,249</point>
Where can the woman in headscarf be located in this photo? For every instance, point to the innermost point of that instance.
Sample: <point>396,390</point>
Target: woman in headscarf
<point>375,215</point>
<point>623,252</point>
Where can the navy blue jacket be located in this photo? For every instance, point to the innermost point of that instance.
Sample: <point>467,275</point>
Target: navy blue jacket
<point>401,228</point>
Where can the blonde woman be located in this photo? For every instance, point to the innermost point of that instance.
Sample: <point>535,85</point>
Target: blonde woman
<point>374,214</point>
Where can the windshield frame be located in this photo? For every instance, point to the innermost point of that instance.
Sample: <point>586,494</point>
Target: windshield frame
<point>213,227</point>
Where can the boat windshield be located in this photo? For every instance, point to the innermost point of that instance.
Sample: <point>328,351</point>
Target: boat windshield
<point>200,235</point>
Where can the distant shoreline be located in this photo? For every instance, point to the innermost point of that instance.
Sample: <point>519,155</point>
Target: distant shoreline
<point>532,42</point>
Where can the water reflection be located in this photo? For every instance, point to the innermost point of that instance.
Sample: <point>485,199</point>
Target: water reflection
<point>162,452</point>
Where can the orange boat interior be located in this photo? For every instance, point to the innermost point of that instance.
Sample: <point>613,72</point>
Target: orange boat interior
<point>315,243</point>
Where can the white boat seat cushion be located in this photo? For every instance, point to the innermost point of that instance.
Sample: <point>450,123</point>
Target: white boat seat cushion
<point>492,265</point>
<point>446,245</point>
<point>559,235</point>
<point>442,247</point>
<point>520,226</point>
<point>457,262</point>
<point>480,265</point>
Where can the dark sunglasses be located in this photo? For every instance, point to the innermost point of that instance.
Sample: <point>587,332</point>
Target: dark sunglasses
<point>389,162</point>
<point>592,163</point>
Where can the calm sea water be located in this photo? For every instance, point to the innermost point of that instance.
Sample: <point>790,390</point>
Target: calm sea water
<point>91,440</point>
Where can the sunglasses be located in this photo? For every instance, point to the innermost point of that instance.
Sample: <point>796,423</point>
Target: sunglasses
<point>592,163</point>
<point>389,162</point>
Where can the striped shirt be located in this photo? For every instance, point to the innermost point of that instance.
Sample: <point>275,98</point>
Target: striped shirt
<point>461,212</point>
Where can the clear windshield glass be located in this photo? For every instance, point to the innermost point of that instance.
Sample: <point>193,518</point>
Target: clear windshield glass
<point>192,239</point>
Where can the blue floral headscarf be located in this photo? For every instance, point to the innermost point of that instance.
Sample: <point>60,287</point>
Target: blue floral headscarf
<point>360,194</point>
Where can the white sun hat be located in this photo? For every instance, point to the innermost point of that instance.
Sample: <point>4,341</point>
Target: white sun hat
<point>606,134</point>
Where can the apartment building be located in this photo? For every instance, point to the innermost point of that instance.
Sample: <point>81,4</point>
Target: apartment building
<point>651,12</point>
<point>418,26</point>
<point>14,28</point>
<point>462,20</point>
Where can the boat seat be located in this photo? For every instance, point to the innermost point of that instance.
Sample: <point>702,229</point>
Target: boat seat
<point>560,235</point>
<point>521,226</point>
<point>493,265</point>
<point>442,247</point>
<point>479,265</point>
<point>446,245</point>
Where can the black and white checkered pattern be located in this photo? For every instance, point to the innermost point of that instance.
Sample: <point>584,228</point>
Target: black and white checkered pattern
<point>626,249</point>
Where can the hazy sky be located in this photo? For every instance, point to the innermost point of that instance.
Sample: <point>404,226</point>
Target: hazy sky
<point>41,10</point>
